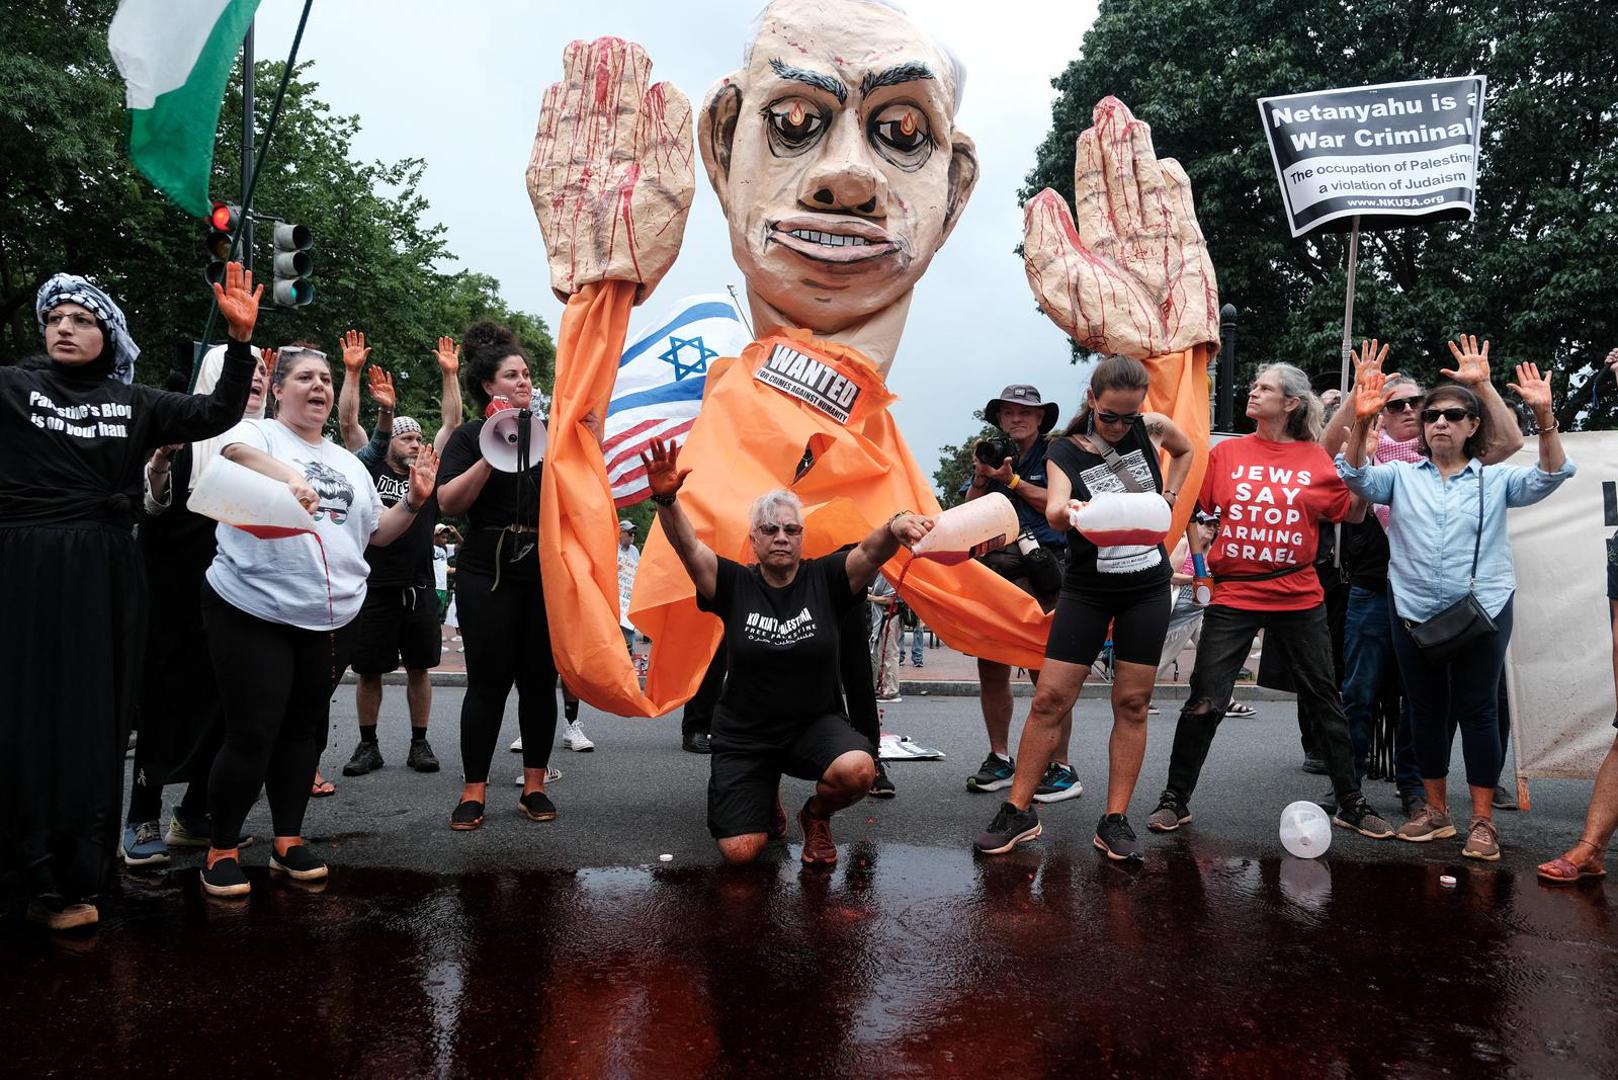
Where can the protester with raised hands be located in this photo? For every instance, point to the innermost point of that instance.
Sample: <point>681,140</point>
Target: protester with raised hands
<point>279,612</point>
<point>1452,581</point>
<point>781,711</point>
<point>76,435</point>
<point>380,386</point>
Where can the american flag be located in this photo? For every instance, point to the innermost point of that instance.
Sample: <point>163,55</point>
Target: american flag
<point>660,382</point>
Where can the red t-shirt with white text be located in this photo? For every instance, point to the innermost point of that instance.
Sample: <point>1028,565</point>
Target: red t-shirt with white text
<point>1270,497</point>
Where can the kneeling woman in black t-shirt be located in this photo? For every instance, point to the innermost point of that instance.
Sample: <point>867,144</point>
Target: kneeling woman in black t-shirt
<point>1122,590</point>
<point>781,710</point>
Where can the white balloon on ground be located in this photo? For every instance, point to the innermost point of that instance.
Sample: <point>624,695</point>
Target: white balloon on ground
<point>1305,830</point>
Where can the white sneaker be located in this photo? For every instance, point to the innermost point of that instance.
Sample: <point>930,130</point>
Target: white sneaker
<point>516,747</point>
<point>574,738</point>
<point>552,774</point>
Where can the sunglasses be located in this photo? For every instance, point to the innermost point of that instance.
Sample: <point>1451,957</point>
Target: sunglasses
<point>1454,416</point>
<point>1128,419</point>
<point>770,528</point>
<point>1400,405</point>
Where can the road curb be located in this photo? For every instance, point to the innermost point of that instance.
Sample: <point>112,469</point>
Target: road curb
<point>928,687</point>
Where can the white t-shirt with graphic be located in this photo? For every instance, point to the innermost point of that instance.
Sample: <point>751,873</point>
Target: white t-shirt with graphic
<point>286,580</point>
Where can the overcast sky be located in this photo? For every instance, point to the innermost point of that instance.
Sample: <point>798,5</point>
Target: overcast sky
<point>460,85</point>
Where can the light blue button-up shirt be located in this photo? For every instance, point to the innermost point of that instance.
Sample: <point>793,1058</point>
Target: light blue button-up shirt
<point>1434,526</point>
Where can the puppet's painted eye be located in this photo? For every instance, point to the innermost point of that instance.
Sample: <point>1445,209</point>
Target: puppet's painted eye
<point>794,123</point>
<point>900,134</point>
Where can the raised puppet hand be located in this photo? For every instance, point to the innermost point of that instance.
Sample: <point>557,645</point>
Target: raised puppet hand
<point>238,301</point>
<point>381,387</point>
<point>1135,276</point>
<point>1471,363</point>
<point>611,175</point>
<point>663,473</point>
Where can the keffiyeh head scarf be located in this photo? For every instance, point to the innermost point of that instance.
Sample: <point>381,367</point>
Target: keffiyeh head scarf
<point>72,289</point>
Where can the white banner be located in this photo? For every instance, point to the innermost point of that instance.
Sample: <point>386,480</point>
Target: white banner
<point>1559,666</point>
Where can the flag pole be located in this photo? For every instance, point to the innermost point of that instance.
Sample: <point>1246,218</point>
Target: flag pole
<point>258,161</point>
<point>1348,352</point>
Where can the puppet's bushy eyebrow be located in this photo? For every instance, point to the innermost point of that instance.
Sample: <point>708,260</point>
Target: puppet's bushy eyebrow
<point>812,78</point>
<point>910,71</point>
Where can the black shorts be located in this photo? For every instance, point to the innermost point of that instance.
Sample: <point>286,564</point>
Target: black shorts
<point>397,625</point>
<point>1139,621</point>
<point>743,783</point>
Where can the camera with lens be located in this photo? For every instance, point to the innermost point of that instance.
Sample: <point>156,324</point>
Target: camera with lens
<point>994,450</point>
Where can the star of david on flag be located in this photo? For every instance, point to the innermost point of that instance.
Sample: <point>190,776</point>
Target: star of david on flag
<point>661,377</point>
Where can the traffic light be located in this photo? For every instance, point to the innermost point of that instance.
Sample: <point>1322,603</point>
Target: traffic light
<point>223,221</point>
<point>293,266</point>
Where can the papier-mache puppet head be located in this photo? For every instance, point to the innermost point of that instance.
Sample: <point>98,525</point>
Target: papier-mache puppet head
<point>836,159</point>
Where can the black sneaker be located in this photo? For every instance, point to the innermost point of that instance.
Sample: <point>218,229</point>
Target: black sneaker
<point>421,756</point>
<point>537,806</point>
<point>1170,814</point>
<point>695,742</point>
<point>1009,828</point>
<point>1356,814</point>
<point>367,758</point>
<point>298,864</point>
<point>1117,839</point>
<point>995,773</point>
<point>225,878</point>
<point>882,786</point>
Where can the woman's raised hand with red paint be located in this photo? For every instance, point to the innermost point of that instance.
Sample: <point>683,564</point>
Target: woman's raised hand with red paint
<point>611,173</point>
<point>1134,277</point>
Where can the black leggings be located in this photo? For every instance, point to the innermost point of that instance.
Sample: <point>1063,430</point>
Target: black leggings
<point>276,683</point>
<point>508,640</point>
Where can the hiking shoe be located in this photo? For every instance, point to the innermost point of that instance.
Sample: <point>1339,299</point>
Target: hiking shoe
<point>421,757</point>
<point>1356,813</point>
<point>695,742</point>
<point>1243,711</point>
<point>54,913</point>
<point>1504,798</point>
<point>537,806</point>
<point>367,758</point>
<point>143,844</point>
<point>995,773</point>
<point>1428,823</point>
<point>1009,828</point>
<point>225,878</point>
<point>1170,814</point>
<point>1059,782</point>
<point>1482,841</point>
<point>819,849</point>
<point>882,786</point>
<point>298,864</point>
<point>516,745</point>
<point>188,832</point>
<point>1117,839</point>
<point>1314,765</point>
<point>574,738</point>
<point>467,815</point>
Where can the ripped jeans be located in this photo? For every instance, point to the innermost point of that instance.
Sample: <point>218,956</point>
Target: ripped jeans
<point>1227,636</point>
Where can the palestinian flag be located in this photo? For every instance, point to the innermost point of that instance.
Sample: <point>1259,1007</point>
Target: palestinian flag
<point>175,57</point>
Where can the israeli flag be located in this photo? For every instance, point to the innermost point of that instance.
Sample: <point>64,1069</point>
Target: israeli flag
<point>661,377</point>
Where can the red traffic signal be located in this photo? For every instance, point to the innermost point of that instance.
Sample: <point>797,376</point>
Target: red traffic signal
<point>223,221</point>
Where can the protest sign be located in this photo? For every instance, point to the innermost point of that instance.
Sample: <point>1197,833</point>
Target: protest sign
<point>1389,155</point>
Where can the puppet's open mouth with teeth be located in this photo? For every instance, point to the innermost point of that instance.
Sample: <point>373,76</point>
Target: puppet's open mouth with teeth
<point>832,241</point>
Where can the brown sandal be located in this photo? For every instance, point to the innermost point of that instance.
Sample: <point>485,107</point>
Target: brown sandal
<point>1564,871</point>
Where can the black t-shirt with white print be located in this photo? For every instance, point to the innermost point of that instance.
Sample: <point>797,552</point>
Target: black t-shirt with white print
<point>783,646</point>
<point>408,561</point>
<point>1110,569</point>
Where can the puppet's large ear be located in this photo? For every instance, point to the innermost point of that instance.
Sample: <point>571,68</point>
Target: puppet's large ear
<point>963,177</point>
<point>716,132</point>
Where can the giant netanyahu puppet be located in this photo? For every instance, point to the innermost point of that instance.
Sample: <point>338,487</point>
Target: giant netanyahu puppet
<point>835,158</point>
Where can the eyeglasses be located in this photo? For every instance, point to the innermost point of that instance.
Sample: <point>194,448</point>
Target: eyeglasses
<point>73,318</point>
<point>1128,419</point>
<point>1454,416</point>
<point>1399,405</point>
<point>770,528</point>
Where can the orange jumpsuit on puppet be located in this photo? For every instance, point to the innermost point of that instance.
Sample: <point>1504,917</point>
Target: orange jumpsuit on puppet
<point>786,394</point>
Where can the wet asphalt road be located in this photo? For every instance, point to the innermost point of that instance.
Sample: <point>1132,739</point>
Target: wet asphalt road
<point>569,949</point>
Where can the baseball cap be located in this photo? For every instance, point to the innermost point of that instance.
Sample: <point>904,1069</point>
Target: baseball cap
<point>626,526</point>
<point>1022,394</point>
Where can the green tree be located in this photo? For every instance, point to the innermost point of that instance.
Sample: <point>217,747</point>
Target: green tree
<point>955,464</point>
<point>72,202</point>
<point>1534,271</point>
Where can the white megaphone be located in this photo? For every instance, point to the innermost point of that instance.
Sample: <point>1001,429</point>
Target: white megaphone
<point>500,436</point>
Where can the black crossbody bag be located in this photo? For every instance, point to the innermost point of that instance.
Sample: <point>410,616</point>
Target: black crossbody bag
<point>1463,623</point>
